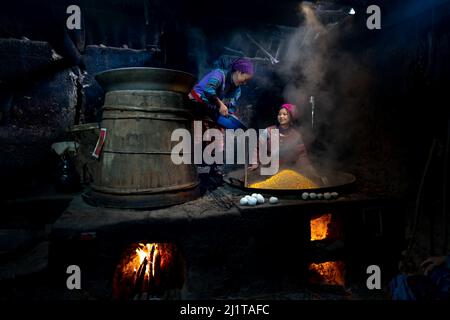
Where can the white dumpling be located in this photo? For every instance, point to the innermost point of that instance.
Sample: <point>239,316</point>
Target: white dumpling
<point>252,201</point>
<point>260,198</point>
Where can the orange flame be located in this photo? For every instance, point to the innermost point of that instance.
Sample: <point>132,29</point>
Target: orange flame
<point>148,268</point>
<point>151,252</point>
<point>319,227</point>
<point>331,272</point>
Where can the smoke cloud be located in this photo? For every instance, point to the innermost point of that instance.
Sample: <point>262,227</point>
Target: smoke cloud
<point>314,64</point>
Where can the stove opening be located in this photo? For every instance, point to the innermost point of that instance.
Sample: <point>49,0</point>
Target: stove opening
<point>325,228</point>
<point>327,273</point>
<point>149,271</point>
<point>320,227</point>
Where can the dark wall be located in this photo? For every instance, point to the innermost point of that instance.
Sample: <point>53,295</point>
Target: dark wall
<point>403,139</point>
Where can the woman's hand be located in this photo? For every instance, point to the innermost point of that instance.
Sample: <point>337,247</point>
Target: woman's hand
<point>253,167</point>
<point>223,110</point>
<point>431,263</point>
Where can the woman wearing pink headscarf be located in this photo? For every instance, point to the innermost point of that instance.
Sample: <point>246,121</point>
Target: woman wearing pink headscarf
<point>292,151</point>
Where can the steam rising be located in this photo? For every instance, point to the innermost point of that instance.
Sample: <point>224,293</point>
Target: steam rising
<point>313,62</point>
<point>315,65</point>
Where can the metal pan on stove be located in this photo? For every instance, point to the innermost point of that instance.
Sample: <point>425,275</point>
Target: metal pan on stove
<point>336,180</point>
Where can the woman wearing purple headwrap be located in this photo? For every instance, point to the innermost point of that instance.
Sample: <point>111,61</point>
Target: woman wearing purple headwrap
<point>217,93</point>
<point>219,90</point>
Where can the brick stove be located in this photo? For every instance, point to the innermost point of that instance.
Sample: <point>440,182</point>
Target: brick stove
<point>228,250</point>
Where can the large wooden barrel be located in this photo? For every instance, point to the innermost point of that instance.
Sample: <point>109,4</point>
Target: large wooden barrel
<point>143,106</point>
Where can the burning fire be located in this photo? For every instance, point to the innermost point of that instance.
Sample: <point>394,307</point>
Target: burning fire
<point>148,268</point>
<point>319,227</point>
<point>331,272</point>
<point>147,259</point>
